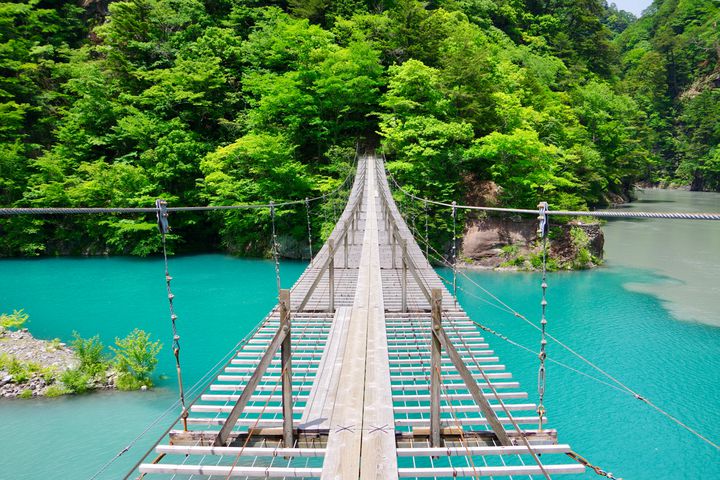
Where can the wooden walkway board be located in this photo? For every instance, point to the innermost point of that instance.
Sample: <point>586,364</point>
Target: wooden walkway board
<point>361,441</point>
<point>321,401</point>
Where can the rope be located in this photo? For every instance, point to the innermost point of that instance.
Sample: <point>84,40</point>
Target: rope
<point>309,228</point>
<point>100,210</point>
<point>492,389</point>
<point>164,228</point>
<point>251,431</point>
<point>544,227</point>
<point>582,460</point>
<point>563,213</point>
<point>275,247</point>
<point>455,417</point>
<point>454,251</point>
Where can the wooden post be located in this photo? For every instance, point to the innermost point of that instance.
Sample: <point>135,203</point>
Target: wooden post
<point>393,240</point>
<point>403,245</point>
<point>354,226</point>
<point>286,362</point>
<point>435,363</point>
<point>224,434</point>
<point>345,244</point>
<point>331,274</point>
<point>473,388</point>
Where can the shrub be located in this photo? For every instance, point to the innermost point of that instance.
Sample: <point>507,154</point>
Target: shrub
<point>135,358</point>
<point>90,353</point>
<point>56,391</point>
<point>13,320</point>
<point>27,393</point>
<point>509,251</point>
<point>75,380</point>
<point>126,381</point>
<point>19,371</point>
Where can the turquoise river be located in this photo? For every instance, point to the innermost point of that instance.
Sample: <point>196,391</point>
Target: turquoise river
<point>650,317</point>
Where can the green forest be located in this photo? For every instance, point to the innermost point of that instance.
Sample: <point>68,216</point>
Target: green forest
<point>117,103</point>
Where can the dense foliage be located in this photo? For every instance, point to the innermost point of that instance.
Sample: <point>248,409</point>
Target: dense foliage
<point>671,64</point>
<point>223,102</point>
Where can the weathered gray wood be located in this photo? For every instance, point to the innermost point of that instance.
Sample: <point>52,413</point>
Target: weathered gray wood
<point>378,455</point>
<point>224,434</point>
<point>230,471</point>
<point>473,387</point>
<point>319,407</point>
<point>403,293</point>
<point>490,471</point>
<point>435,380</point>
<point>286,362</point>
<point>331,274</point>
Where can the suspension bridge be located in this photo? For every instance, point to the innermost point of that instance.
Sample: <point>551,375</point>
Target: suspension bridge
<point>366,368</point>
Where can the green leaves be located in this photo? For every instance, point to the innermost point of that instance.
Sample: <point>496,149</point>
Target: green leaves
<point>135,359</point>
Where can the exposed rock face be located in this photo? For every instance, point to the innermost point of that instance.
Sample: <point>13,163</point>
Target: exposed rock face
<point>50,356</point>
<point>485,237</point>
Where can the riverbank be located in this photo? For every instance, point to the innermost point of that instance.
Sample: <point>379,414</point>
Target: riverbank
<point>512,243</point>
<point>30,367</point>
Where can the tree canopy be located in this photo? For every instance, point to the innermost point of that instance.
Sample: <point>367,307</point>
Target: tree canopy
<point>197,102</point>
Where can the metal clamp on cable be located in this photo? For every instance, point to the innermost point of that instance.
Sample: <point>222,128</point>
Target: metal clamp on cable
<point>162,216</point>
<point>543,217</point>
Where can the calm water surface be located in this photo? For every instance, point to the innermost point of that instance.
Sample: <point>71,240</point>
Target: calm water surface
<point>652,323</point>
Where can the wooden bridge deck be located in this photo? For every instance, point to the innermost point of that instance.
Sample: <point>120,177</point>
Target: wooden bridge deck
<point>361,375</point>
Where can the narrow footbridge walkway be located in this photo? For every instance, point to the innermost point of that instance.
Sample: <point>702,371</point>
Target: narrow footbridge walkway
<point>367,368</point>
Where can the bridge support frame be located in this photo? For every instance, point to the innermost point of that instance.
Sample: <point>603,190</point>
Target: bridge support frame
<point>281,339</point>
<point>331,275</point>
<point>286,362</point>
<point>345,246</point>
<point>403,246</point>
<point>435,365</point>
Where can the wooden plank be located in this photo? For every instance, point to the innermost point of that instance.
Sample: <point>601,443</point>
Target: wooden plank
<point>324,390</point>
<point>379,458</point>
<point>229,471</point>
<point>342,460</point>
<point>482,451</point>
<point>453,472</point>
<point>287,374</point>
<point>240,451</point>
<point>435,378</point>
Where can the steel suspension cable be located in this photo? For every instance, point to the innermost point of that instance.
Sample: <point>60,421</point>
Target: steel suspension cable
<point>505,307</point>
<point>163,226</point>
<point>275,247</point>
<point>573,352</point>
<point>309,229</point>
<point>544,227</point>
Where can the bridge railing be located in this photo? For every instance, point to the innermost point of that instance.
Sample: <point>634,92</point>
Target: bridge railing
<point>440,339</point>
<point>347,225</point>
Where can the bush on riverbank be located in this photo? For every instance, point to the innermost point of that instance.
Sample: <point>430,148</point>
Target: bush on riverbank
<point>32,367</point>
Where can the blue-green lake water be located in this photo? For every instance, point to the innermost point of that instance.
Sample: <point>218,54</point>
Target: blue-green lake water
<point>618,316</point>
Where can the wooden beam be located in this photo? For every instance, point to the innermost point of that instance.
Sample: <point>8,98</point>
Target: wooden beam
<point>436,358</point>
<point>224,433</point>
<point>286,362</point>
<point>472,387</point>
